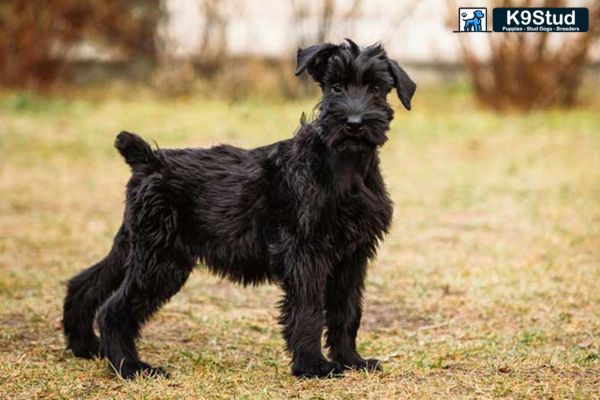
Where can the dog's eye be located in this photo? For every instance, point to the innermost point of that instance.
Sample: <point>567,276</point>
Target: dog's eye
<point>376,89</point>
<point>336,88</point>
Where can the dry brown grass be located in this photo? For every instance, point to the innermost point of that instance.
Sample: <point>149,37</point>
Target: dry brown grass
<point>487,286</point>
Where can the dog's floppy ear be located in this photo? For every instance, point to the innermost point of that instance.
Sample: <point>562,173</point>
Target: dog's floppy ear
<point>314,59</point>
<point>404,85</point>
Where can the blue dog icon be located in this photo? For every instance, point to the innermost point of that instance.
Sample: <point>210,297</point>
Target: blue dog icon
<point>474,24</point>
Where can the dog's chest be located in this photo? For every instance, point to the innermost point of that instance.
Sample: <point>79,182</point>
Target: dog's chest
<point>355,218</point>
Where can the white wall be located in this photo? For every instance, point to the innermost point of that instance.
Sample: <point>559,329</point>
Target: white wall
<point>411,30</point>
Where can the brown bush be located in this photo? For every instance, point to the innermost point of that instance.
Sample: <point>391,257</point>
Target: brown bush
<point>527,71</point>
<point>38,35</point>
<point>244,77</point>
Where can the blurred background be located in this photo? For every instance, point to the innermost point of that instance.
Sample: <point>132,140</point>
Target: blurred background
<point>233,49</point>
<point>486,286</point>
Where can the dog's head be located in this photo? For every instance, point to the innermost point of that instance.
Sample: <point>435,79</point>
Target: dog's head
<point>355,81</point>
<point>478,14</point>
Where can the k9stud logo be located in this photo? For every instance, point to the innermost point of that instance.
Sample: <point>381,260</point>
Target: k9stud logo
<point>524,19</point>
<point>541,19</point>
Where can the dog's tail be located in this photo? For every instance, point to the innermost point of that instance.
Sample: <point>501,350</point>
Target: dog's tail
<point>136,152</point>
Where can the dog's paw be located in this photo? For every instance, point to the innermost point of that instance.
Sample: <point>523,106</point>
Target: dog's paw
<point>132,370</point>
<point>359,363</point>
<point>370,365</point>
<point>317,369</point>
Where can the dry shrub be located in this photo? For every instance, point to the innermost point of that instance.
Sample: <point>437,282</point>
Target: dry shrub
<point>214,47</point>
<point>527,70</point>
<point>174,77</point>
<point>243,77</point>
<point>37,36</point>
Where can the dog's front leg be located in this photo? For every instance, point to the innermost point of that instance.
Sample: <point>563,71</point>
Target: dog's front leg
<point>343,304</point>
<point>302,316</point>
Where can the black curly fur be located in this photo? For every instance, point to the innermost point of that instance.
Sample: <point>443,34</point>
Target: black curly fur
<point>306,213</point>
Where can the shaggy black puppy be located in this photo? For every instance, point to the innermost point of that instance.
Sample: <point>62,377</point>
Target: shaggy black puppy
<point>306,213</point>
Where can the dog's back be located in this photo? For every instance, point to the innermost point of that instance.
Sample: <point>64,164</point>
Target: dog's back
<point>222,191</point>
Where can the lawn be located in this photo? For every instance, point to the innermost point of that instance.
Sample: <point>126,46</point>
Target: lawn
<point>487,286</point>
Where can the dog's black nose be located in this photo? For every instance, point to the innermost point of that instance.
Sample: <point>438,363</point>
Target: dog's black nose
<point>354,123</point>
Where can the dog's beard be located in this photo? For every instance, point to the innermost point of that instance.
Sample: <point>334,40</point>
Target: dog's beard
<point>350,144</point>
<point>371,137</point>
<point>355,146</point>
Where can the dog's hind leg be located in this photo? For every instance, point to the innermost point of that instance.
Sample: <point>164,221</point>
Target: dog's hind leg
<point>144,290</point>
<point>87,291</point>
<point>157,267</point>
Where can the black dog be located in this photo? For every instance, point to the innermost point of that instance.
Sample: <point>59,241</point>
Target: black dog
<point>306,213</point>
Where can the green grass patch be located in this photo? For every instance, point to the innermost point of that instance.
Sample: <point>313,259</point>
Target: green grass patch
<point>487,285</point>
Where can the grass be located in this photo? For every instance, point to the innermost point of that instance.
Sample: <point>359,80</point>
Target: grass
<point>487,286</point>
